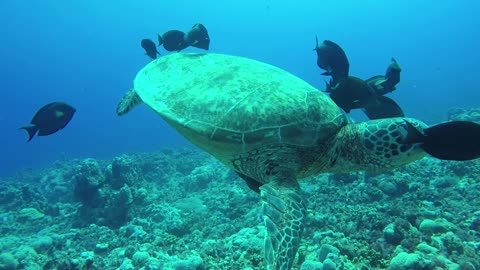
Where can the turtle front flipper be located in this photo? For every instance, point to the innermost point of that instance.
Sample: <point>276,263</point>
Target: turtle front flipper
<point>129,101</point>
<point>284,213</point>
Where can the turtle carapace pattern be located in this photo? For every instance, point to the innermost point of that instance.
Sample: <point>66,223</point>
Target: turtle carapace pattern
<point>270,127</point>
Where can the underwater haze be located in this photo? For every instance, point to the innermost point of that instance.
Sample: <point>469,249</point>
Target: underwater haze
<point>86,53</point>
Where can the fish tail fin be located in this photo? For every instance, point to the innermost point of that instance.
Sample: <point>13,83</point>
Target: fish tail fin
<point>31,131</point>
<point>394,61</point>
<point>316,43</point>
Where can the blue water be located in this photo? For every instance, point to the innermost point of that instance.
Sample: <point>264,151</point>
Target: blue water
<point>87,52</point>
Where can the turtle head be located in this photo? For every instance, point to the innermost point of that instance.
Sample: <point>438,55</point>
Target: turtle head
<point>382,145</point>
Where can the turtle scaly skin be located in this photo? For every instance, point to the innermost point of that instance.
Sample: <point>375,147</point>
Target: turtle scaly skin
<point>375,146</point>
<point>270,127</point>
<point>129,101</point>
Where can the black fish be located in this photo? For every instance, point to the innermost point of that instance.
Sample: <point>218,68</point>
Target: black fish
<point>50,119</point>
<point>383,107</point>
<point>173,40</point>
<point>383,84</point>
<point>176,40</point>
<point>150,48</point>
<point>332,59</point>
<point>393,75</point>
<point>376,83</point>
<point>352,93</point>
<point>455,140</point>
<point>198,37</point>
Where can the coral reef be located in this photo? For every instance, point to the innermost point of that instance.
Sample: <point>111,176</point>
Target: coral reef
<point>180,209</point>
<point>462,114</point>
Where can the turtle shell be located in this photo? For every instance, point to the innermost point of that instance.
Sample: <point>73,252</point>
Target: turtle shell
<point>229,104</point>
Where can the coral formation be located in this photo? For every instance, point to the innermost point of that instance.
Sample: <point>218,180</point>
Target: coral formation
<point>181,209</point>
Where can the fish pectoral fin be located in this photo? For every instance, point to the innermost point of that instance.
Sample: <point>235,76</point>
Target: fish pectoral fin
<point>327,73</point>
<point>379,82</point>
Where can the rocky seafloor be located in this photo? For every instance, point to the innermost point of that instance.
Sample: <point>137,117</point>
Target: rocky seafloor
<point>181,209</point>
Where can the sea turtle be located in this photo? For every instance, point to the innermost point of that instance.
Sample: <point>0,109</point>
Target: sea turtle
<point>271,128</point>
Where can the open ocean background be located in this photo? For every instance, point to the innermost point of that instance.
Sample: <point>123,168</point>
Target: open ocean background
<point>87,53</point>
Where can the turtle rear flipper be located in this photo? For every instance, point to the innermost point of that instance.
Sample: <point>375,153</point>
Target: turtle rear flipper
<point>129,101</point>
<point>383,107</point>
<point>284,213</point>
